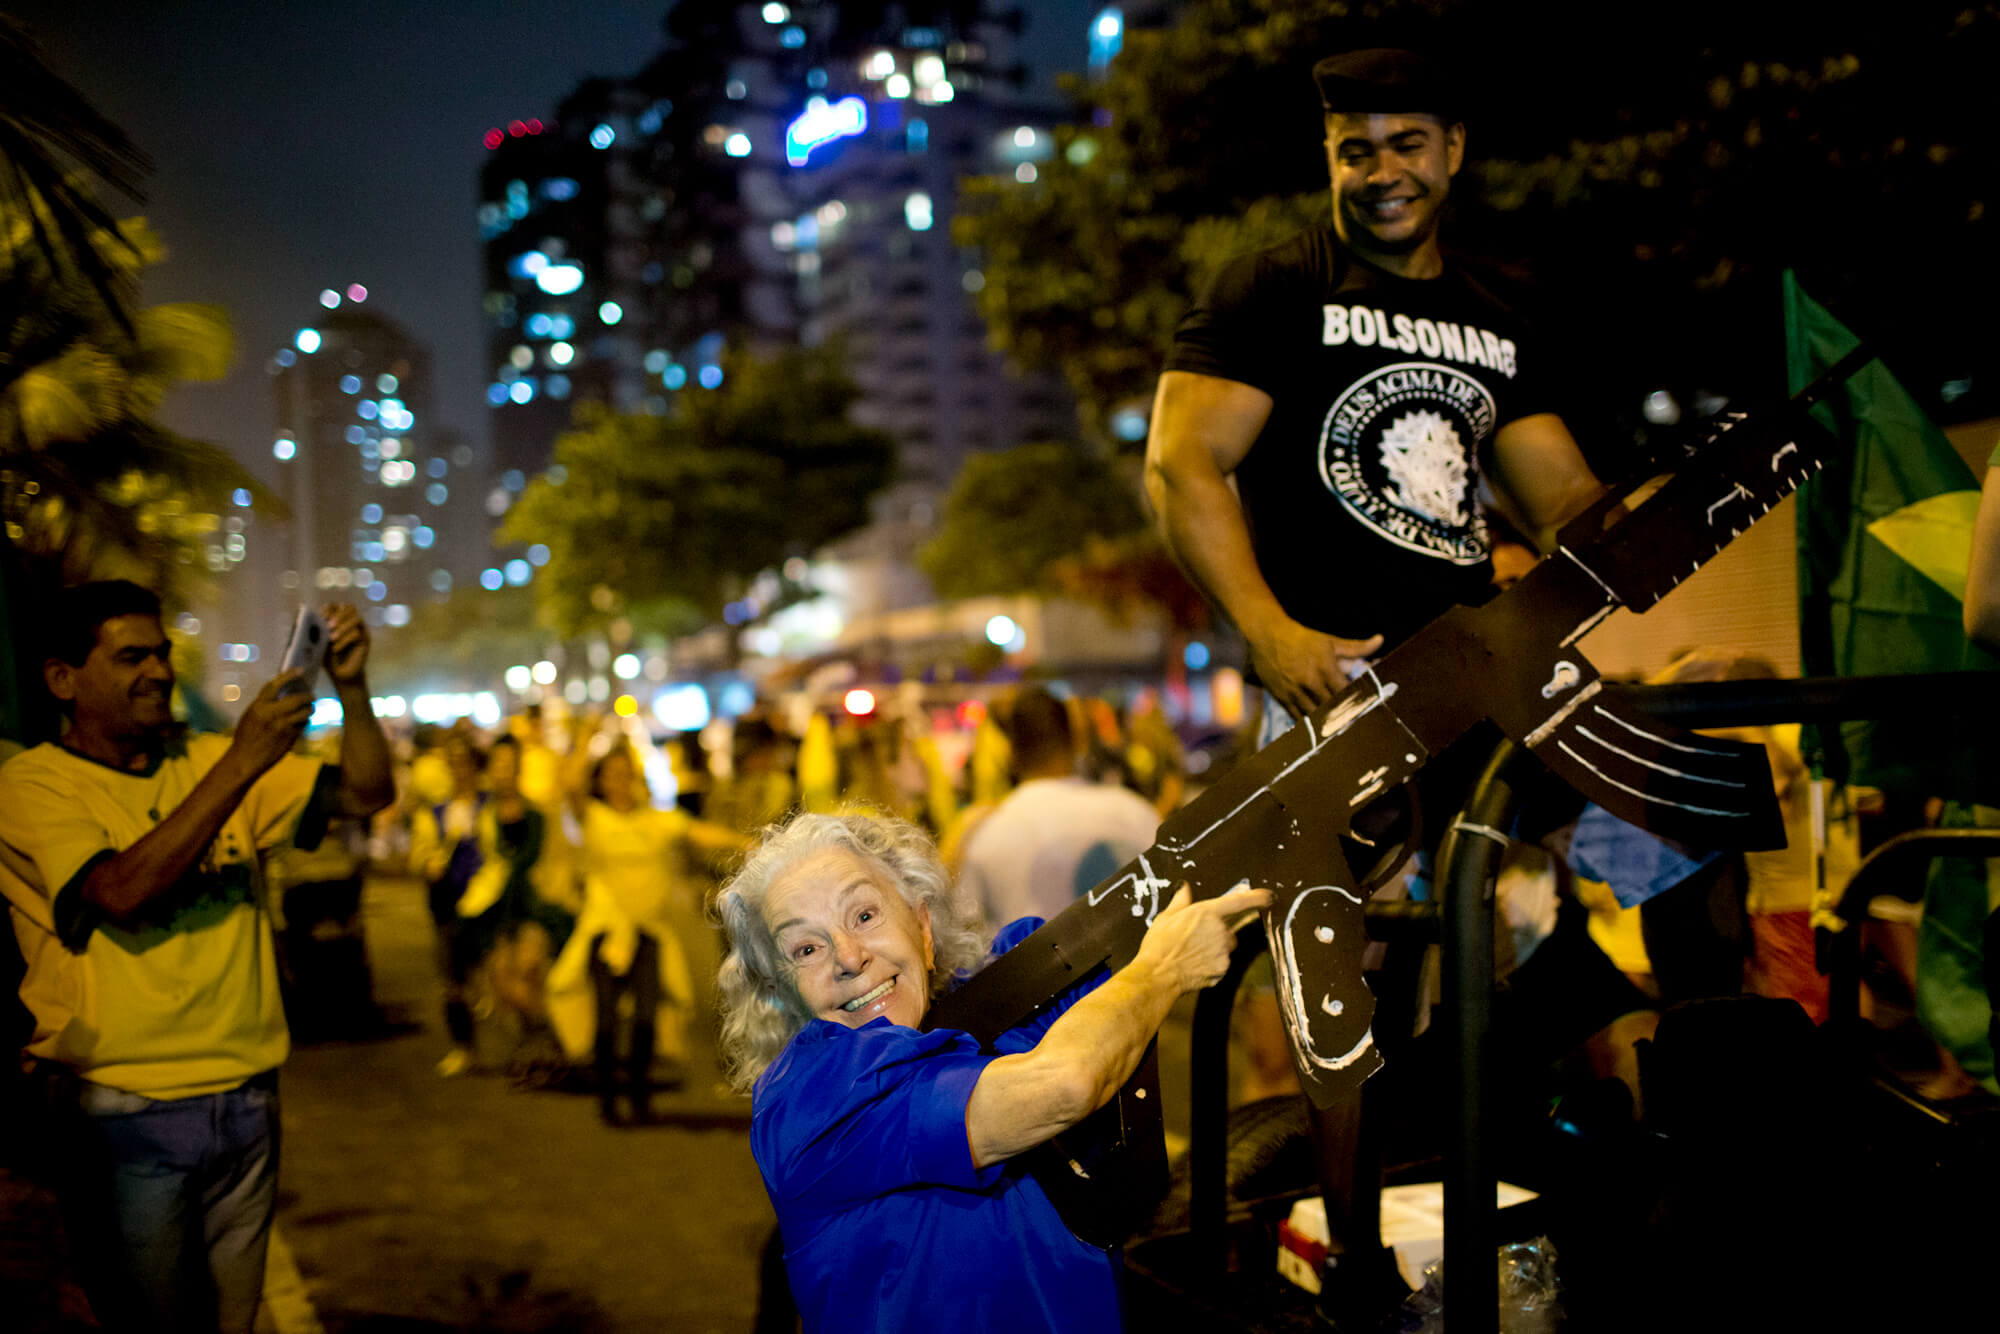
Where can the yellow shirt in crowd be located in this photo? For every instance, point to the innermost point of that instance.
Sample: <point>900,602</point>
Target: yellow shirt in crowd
<point>184,1005</point>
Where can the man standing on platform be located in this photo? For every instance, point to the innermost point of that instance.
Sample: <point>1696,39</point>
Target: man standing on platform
<point>1357,386</point>
<point>129,857</point>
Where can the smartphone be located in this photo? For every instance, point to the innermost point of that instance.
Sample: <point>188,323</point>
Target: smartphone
<point>305,651</point>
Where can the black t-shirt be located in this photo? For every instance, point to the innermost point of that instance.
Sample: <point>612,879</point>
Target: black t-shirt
<point>1360,493</point>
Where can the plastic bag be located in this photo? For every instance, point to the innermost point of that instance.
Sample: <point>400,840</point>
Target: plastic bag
<point>1529,1293</point>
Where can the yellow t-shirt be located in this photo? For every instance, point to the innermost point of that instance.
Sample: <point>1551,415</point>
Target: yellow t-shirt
<point>187,1004</point>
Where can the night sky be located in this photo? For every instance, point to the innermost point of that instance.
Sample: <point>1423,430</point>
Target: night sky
<point>298,147</point>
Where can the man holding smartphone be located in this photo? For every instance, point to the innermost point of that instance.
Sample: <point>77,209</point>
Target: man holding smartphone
<point>130,860</point>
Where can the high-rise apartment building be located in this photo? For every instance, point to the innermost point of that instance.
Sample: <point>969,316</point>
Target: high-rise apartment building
<point>779,173</point>
<point>379,498</point>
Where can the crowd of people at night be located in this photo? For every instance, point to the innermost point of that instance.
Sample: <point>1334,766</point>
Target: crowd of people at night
<point>795,889</point>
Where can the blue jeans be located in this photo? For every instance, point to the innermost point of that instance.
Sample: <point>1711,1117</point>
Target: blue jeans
<point>169,1204</point>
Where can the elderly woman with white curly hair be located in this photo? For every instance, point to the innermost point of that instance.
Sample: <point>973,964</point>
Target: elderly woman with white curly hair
<point>888,1150</point>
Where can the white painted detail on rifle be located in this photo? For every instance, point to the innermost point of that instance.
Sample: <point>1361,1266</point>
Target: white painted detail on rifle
<point>1565,678</point>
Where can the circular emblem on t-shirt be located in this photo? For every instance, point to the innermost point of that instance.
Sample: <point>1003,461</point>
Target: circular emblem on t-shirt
<point>1400,449</point>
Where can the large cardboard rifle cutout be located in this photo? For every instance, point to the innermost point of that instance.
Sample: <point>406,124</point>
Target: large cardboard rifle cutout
<point>1277,819</point>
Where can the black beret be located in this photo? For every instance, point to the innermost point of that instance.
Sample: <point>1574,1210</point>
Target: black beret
<point>1385,80</point>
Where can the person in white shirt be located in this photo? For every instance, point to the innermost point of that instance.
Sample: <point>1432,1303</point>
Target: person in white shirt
<point>1057,835</point>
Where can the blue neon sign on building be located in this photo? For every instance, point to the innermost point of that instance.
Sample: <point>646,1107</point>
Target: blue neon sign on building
<point>822,123</point>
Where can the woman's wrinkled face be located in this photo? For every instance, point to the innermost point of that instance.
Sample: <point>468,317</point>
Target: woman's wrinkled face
<point>857,950</point>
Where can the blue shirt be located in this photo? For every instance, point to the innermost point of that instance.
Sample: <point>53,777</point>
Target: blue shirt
<point>860,1135</point>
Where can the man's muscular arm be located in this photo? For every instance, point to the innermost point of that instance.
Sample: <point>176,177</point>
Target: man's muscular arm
<point>1203,427</point>
<point>1541,475</point>
<point>121,886</point>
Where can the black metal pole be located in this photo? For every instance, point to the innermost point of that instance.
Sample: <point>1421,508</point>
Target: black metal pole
<point>1468,860</point>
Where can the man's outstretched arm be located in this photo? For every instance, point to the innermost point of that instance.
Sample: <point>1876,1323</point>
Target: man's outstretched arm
<point>1541,476</point>
<point>367,780</point>
<point>1203,427</point>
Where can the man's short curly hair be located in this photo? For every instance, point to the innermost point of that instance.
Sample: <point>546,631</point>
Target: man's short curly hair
<point>761,1007</point>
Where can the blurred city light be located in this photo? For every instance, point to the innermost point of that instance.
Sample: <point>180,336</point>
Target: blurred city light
<point>560,279</point>
<point>371,513</point>
<point>927,69</point>
<point>1026,173</point>
<point>1129,424</point>
<point>682,708</point>
<point>240,497</point>
<point>307,341</point>
<point>286,357</point>
<point>356,292</point>
<point>737,145</point>
<point>603,137</point>
<point>941,91</point>
<point>519,677</point>
<point>326,713</point>
<point>710,377</point>
<point>859,702</point>
<point>490,579</point>
<point>897,85</point>
<point>610,312</point>
<point>917,211</point>
<point>736,699</point>
<point>385,383</point>
<point>1024,137</point>
<point>674,376</point>
<point>329,298</point>
<point>1661,409</point>
<point>1195,655</point>
<point>823,123</point>
<point>521,390</point>
<point>971,712</point>
<point>1107,36</point>
<point>792,38</point>
<point>880,65</point>
<point>544,672</point>
<point>776,13</point>
<point>528,263</point>
<point>626,667</point>
<point>561,353</point>
<point>1001,630</point>
<point>519,572</point>
<point>397,614</point>
<point>625,706</point>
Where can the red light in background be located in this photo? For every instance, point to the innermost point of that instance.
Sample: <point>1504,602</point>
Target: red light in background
<point>971,713</point>
<point>534,127</point>
<point>516,128</point>
<point>494,138</point>
<point>860,703</point>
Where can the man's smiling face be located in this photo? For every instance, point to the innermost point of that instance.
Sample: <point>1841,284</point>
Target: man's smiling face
<point>856,949</point>
<point>1391,174</point>
<point>125,687</point>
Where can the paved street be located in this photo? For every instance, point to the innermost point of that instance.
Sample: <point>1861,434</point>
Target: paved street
<point>412,1202</point>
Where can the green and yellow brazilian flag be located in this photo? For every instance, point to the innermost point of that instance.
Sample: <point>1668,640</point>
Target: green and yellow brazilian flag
<point>1885,539</point>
